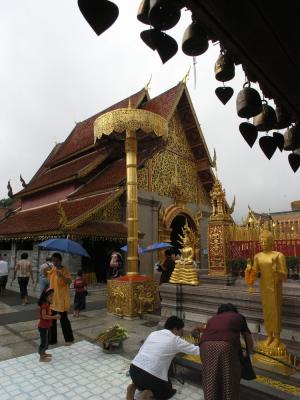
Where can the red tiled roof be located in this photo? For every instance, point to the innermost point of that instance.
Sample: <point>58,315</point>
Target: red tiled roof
<point>48,160</point>
<point>110,177</point>
<point>3,211</point>
<point>113,175</point>
<point>165,103</point>
<point>82,135</point>
<point>45,219</point>
<point>105,229</point>
<point>62,172</point>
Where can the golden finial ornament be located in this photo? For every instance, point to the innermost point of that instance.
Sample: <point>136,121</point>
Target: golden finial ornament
<point>147,86</point>
<point>186,76</point>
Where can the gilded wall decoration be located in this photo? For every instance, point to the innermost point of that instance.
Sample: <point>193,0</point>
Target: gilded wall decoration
<point>217,254</point>
<point>112,212</point>
<point>142,178</point>
<point>130,299</point>
<point>177,163</point>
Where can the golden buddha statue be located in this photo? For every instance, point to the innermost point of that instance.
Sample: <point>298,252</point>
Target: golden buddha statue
<point>185,271</point>
<point>271,266</point>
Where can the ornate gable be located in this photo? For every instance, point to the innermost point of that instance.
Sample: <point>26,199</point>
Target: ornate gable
<point>173,171</point>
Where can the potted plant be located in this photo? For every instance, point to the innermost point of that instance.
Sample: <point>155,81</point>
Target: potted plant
<point>112,339</point>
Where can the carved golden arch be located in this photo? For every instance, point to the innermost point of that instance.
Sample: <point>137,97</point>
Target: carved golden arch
<point>173,210</point>
<point>166,218</point>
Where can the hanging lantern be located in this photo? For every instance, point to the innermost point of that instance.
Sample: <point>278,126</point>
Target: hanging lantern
<point>292,138</point>
<point>164,44</point>
<point>164,14</point>
<point>283,118</point>
<point>265,120</point>
<point>248,102</point>
<point>100,14</point>
<point>195,41</point>
<point>143,12</point>
<point>224,67</point>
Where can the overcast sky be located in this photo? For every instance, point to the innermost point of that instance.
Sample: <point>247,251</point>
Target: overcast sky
<point>55,71</point>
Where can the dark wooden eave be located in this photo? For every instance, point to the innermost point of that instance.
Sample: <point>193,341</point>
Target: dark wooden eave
<point>262,35</point>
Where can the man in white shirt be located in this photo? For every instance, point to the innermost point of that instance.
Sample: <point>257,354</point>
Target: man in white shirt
<point>3,274</point>
<point>149,369</point>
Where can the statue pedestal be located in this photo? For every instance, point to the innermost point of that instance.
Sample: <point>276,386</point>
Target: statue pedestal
<point>272,358</point>
<point>131,295</point>
<point>184,273</point>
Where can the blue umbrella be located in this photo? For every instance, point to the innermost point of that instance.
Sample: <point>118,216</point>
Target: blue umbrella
<point>157,246</point>
<point>65,246</point>
<point>140,249</point>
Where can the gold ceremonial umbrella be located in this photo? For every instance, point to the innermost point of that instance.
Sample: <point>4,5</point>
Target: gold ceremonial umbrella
<point>130,124</point>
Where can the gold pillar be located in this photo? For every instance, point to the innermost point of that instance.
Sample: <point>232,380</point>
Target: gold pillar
<point>132,203</point>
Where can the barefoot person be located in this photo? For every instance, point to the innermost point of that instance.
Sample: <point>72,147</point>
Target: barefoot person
<point>45,322</point>
<point>60,280</point>
<point>149,368</point>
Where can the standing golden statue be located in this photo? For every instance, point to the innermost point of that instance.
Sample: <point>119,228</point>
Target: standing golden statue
<point>271,266</point>
<point>185,271</point>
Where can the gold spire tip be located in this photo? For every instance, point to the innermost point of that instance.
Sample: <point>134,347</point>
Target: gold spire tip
<point>148,83</point>
<point>186,76</point>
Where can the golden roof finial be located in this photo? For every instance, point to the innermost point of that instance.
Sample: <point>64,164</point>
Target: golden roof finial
<point>186,76</point>
<point>231,209</point>
<point>148,83</point>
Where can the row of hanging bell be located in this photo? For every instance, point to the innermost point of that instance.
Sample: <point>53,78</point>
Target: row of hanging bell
<point>224,72</point>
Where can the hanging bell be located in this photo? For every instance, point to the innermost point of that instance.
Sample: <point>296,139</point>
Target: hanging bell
<point>283,117</point>
<point>164,14</point>
<point>143,12</point>
<point>248,102</point>
<point>164,44</point>
<point>292,138</point>
<point>224,67</point>
<point>100,14</point>
<point>265,120</point>
<point>195,41</point>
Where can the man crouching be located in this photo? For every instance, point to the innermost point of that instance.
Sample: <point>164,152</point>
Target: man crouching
<point>149,368</point>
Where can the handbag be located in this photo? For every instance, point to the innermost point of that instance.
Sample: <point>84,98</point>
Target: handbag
<point>247,368</point>
<point>85,292</point>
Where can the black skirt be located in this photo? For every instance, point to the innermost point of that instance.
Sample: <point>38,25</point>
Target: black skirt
<point>79,301</point>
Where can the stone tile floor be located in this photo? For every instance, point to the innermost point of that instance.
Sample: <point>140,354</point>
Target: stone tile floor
<point>81,371</point>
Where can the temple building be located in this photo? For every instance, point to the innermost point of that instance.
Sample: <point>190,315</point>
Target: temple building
<point>79,189</point>
<point>285,224</point>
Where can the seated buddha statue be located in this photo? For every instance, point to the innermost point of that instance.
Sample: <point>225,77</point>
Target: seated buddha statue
<point>185,271</point>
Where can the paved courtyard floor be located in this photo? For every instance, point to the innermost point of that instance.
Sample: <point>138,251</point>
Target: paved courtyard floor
<point>81,371</point>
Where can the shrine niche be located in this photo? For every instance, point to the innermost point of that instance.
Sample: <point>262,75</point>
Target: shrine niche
<point>171,224</point>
